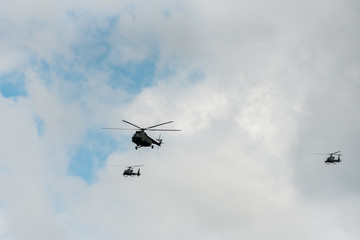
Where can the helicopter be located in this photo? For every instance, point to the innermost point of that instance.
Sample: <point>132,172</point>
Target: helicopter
<point>331,158</point>
<point>141,139</point>
<point>130,171</point>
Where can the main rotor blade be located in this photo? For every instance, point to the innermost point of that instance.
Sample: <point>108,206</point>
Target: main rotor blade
<point>162,130</point>
<point>335,153</point>
<point>127,166</point>
<point>120,129</point>
<point>137,165</point>
<point>132,124</point>
<point>158,125</point>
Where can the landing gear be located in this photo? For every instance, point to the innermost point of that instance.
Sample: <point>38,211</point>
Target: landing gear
<point>136,147</point>
<point>152,146</point>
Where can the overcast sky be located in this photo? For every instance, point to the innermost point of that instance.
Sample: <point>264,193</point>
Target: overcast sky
<point>255,86</point>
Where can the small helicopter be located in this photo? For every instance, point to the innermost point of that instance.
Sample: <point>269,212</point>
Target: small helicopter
<point>141,139</point>
<point>331,158</point>
<point>130,171</point>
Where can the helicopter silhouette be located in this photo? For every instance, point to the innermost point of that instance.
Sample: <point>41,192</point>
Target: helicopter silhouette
<point>141,139</point>
<point>331,158</point>
<point>130,171</point>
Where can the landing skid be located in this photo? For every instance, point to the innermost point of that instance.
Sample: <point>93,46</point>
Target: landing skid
<point>139,146</point>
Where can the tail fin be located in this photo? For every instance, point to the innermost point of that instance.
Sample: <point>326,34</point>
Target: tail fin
<point>159,140</point>
<point>138,173</point>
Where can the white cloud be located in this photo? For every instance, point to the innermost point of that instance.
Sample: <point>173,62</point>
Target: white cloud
<point>278,81</point>
<point>25,176</point>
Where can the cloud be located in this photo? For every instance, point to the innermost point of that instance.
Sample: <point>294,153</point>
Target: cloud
<point>256,87</point>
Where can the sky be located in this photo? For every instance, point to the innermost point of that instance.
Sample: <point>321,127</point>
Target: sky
<point>256,87</point>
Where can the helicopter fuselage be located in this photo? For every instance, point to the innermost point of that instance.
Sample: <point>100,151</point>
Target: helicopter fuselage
<point>332,159</point>
<point>141,139</point>
<point>130,172</point>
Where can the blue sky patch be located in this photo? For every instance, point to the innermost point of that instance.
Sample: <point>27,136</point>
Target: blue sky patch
<point>91,54</point>
<point>13,85</point>
<point>91,155</point>
<point>166,13</point>
<point>40,126</point>
<point>196,76</point>
<point>132,77</point>
<point>94,45</point>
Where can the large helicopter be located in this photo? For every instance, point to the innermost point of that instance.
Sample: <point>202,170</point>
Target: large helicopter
<point>130,171</point>
<point>331,158</point>
<point>141,139</point>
